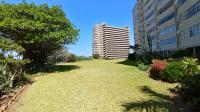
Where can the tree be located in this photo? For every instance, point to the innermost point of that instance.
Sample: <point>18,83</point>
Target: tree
<point>11,64</point>
<point>10,52</point>
<point>59,55</point>
<point>39,29</point>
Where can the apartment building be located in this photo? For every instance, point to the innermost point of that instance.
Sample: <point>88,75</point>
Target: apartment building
<point>110,42</point>
<point>189,25</point>
<point>139,27</point>
<point>169,25</point>
<point>98,40</point>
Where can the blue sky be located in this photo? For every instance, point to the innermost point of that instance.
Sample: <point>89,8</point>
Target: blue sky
<point>85,13</point>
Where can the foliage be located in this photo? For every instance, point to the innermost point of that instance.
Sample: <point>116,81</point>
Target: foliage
<point>191,90</point>
<point>39,29</point>
<point>187,74</point>
<point>132,56</point>
<point>146,58</point>
<point>157,67</point>
<point>138,62</point>
<point>6,78</point>
<point>10,78</point>
<point>82,58</point>
<point>11,65</point>
<point>190,66</point>
<point>59,55</point>
<point>96,56</point>
<point>181,53</point>
<point>10,51</point>
<point>63,56</point>
<point>8,45</point>
<point>143,67</point>
<point>71,58</point>
<point>173,72</point>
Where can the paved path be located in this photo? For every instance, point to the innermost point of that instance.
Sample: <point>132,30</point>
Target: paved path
<point>96,86</point>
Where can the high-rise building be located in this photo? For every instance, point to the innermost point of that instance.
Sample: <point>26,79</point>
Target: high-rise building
<point>168,25</point>
<point>110,42</point>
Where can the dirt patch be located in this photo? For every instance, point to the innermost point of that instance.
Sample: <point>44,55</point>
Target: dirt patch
<point>7,101</point>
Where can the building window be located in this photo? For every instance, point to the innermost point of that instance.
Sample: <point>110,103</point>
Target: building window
<point>149,15</point>
<point>181,2</point>
<point>168,29</point>
<point>186,34</point>
<point>150,6</point>
<point>167,6</point>
<point>192,11</point>
<point>151,22</point>
<point>194,31</point>
<point>159,1</point>
<point>166,18</point>
<point>199,29</point>
<point>151,30</point>
<point>169,41</point>
<point>191,32</point>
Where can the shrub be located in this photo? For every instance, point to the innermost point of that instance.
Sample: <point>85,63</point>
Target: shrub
<point>173,72</point>
<point>82,58</point>
<point>10,78</point>
<point>190,83</point>
<point>11,65</point>
<point>71,58</point>
<point>157,67</point>
<point>147,58</point>
<point>143,67</point>
<point>191,90</point>
<point>132,56</point>
<point>190,66</point>
<point>138,62</point>
<point>181,53</point>
<point>96,56</point>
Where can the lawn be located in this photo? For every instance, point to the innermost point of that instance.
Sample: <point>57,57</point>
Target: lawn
<point>96,86</point>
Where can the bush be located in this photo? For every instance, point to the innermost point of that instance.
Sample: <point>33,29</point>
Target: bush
<point>138,62</point>
<point>147,58</point>
<point>71,58</point>
<point>190,83</point>
<point>143,67</point>
<point>191,90</point>
<point>11,65</point>
<point>82,58</point>
<point>9,79</point>
<point>61,56</point>
<point>96,56</point>
<point>181,53</point>
<point>157,67</point>
<point>132,56</point>
<point>173,72</point>
<point>190,66</point>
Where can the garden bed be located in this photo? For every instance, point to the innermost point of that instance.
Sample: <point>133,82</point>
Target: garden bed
<point>7,100</point>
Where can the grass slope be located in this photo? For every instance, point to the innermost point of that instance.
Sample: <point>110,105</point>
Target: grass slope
<point>96,86</point>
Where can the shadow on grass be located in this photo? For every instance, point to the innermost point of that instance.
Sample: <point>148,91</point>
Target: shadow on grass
<point>64,68</point>
<point>161,104</point>
<point>127,62</point>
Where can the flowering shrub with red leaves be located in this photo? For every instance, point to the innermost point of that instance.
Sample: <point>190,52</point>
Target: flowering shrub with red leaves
<point>157,67</point>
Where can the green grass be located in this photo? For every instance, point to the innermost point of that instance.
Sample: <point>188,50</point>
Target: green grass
<point>97,86</point>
